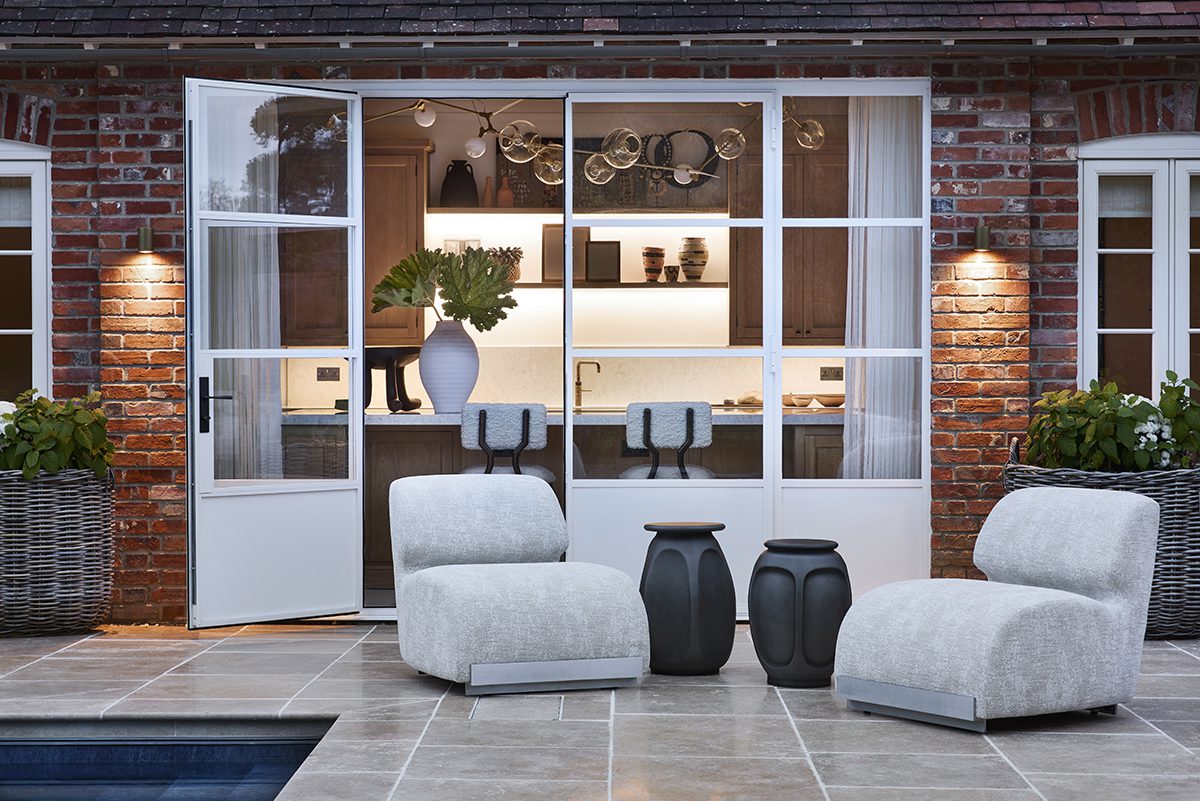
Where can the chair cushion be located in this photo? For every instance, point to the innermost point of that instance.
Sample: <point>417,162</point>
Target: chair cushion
<point>1017,650</point>
<point>455,616</point>
<point>544,473</point>
<point>667,471</point>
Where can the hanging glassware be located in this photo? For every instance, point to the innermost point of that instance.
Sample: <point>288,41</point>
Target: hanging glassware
<point>424,115</point>
<point>548,165</point>
<point>519,141</point>
<point>621,148</point>
<point>597,169</point>
<point>810,134</point>
<point>730,143</point>
<point>476,146</point>
<point>683,174</point>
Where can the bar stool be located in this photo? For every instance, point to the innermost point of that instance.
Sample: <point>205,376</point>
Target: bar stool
<point>679,426</point>
<point>505,430</point>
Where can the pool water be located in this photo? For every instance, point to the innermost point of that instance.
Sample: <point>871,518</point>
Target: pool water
<point>148,770</point>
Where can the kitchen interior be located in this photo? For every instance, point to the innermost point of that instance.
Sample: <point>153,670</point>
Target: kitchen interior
<point>695,283</point>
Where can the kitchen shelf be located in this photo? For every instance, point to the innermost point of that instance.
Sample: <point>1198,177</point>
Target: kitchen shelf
<point>627,285</point>
<point>491,210</point>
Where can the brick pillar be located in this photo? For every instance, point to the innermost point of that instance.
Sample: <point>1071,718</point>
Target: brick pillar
<point>981,175</point>
<point>140,182</point>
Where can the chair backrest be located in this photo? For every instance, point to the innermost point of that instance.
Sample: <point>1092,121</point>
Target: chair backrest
<point>1097,543</point>
<point>504,426</point>
<point>668,424</point>
<point>473,519</point>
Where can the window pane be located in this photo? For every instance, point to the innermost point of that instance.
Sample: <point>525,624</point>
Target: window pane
<point>1125,211</point>
<point>858,287</point>
<point>866,426</point>
<point>1126,290</point>
<point>1127,360</point>
<point>277,287</point>
<point>1194,212</point>
<point>677,287</point>
<point>281,423</point>
<point>16,212</point>
<point>668,157</point>
<point>16,365</point>
<point>275,154</point>
<point>731,387</point>
<point>16,300</point>
<point>852,157</point>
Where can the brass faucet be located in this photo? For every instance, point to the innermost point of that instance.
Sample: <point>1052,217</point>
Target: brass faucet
<point>579,390</point>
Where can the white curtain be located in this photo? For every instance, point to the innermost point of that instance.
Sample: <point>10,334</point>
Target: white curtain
<point>881,437</point>
<point>244,313</point>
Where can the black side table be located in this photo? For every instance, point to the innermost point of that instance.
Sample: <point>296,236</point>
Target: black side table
<point>690,603</point>
<point>799,593</point>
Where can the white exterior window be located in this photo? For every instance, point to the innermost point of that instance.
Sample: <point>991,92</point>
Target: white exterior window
<point>24,270</point>
<point>1140,245</point>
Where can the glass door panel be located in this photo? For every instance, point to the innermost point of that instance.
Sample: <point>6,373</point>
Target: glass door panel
<point>276,520</point>
<point>22,303</point>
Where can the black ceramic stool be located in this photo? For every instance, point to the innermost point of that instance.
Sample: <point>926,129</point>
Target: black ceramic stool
<point>799,593</point>
<point>689,598</point>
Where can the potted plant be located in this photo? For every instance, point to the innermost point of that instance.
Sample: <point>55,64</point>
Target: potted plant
<point>473,287</point>
<point>56,513</point>
<point>1101,438</point>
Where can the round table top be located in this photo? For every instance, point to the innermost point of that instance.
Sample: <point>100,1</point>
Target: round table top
<point>683,527</point>
<point>800,545</point>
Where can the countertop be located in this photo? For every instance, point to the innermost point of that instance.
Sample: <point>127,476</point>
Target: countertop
<point>596,417</point>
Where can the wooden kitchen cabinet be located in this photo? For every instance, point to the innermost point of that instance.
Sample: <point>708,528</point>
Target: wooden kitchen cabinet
<point>815,184</point>
<point>395,194</point>
<point>812,451</point>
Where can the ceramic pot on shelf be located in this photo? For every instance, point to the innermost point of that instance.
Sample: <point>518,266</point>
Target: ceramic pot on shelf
<point>458,187</point>
<point>693,257</point>
<point>504,195</point>
<point>652,262</point>
<point>489,193</point>
<point>449,366</point>
<point>671,271</point>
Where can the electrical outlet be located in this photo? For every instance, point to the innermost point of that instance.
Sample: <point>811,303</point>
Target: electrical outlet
<point>832,374</point>
<point>330,374</point>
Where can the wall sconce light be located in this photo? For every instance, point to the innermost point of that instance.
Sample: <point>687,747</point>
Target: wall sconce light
<point>145,239</point>
<point>983,239</point>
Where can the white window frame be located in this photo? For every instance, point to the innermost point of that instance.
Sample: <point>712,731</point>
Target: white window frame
<point>1170,160</point>
<point>21,160</point>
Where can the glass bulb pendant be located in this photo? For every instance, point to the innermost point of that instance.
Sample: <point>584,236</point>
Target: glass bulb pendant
<point>548,165</point>
<point>810,134</point>
<point>519,141</point>
<point>621,148</point>
<point>730,143</point>
<point>683,174</point>
<point>475,146</point>
<point>424,116</point>
<point>597,169</point>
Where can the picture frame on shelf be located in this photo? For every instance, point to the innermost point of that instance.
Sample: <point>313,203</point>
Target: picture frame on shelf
<point>553,258</point>
<point>603,262</point>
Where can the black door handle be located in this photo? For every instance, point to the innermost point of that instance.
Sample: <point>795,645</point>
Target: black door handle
<point>205,412</point>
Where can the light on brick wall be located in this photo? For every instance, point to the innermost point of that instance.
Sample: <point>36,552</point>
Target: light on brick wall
<point>145,239</point>
<point>983,239</point>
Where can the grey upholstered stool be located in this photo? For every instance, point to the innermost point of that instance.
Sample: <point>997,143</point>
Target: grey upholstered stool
<point>482,599</point>
<point>506,430</point>
<point>678,426</point>
<point>1058,626</point>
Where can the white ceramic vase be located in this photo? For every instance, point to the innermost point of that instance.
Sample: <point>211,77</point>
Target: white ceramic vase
<point>449,366</point>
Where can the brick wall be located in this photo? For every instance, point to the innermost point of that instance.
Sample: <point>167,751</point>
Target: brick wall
<point>1005,134</point>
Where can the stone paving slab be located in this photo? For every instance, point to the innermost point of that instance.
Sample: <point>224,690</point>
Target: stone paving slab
<point>393,735</point>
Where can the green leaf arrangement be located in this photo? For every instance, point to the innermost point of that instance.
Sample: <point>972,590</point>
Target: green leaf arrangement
<point>474,286</point>
<point>1103,429</point>
<point>41,434</point>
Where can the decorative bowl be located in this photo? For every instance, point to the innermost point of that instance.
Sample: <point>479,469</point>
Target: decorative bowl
<point>830,401</point>
<point>799,401</point>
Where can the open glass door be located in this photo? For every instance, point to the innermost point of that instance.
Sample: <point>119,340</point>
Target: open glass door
<point>274,347</point>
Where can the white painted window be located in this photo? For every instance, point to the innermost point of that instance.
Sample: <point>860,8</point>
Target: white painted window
<point>24,270</point>
<point>1139,245</point>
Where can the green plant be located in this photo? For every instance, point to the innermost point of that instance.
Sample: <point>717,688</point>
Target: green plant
<point>473,287</point>
<point>1103,429</point>
<point>38,434</point>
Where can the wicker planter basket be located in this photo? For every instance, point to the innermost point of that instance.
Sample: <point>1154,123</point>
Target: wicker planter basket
<point>1175,589</point>
<point>56,552</point>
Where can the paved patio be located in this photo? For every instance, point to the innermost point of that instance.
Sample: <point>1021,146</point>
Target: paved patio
<point>397,735</point>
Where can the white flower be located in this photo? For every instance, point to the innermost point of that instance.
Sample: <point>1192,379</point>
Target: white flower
<point>7,408</point>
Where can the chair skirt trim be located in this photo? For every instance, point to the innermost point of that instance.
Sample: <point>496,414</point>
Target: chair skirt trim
<point>913,703</point>
<point>563,674</point>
